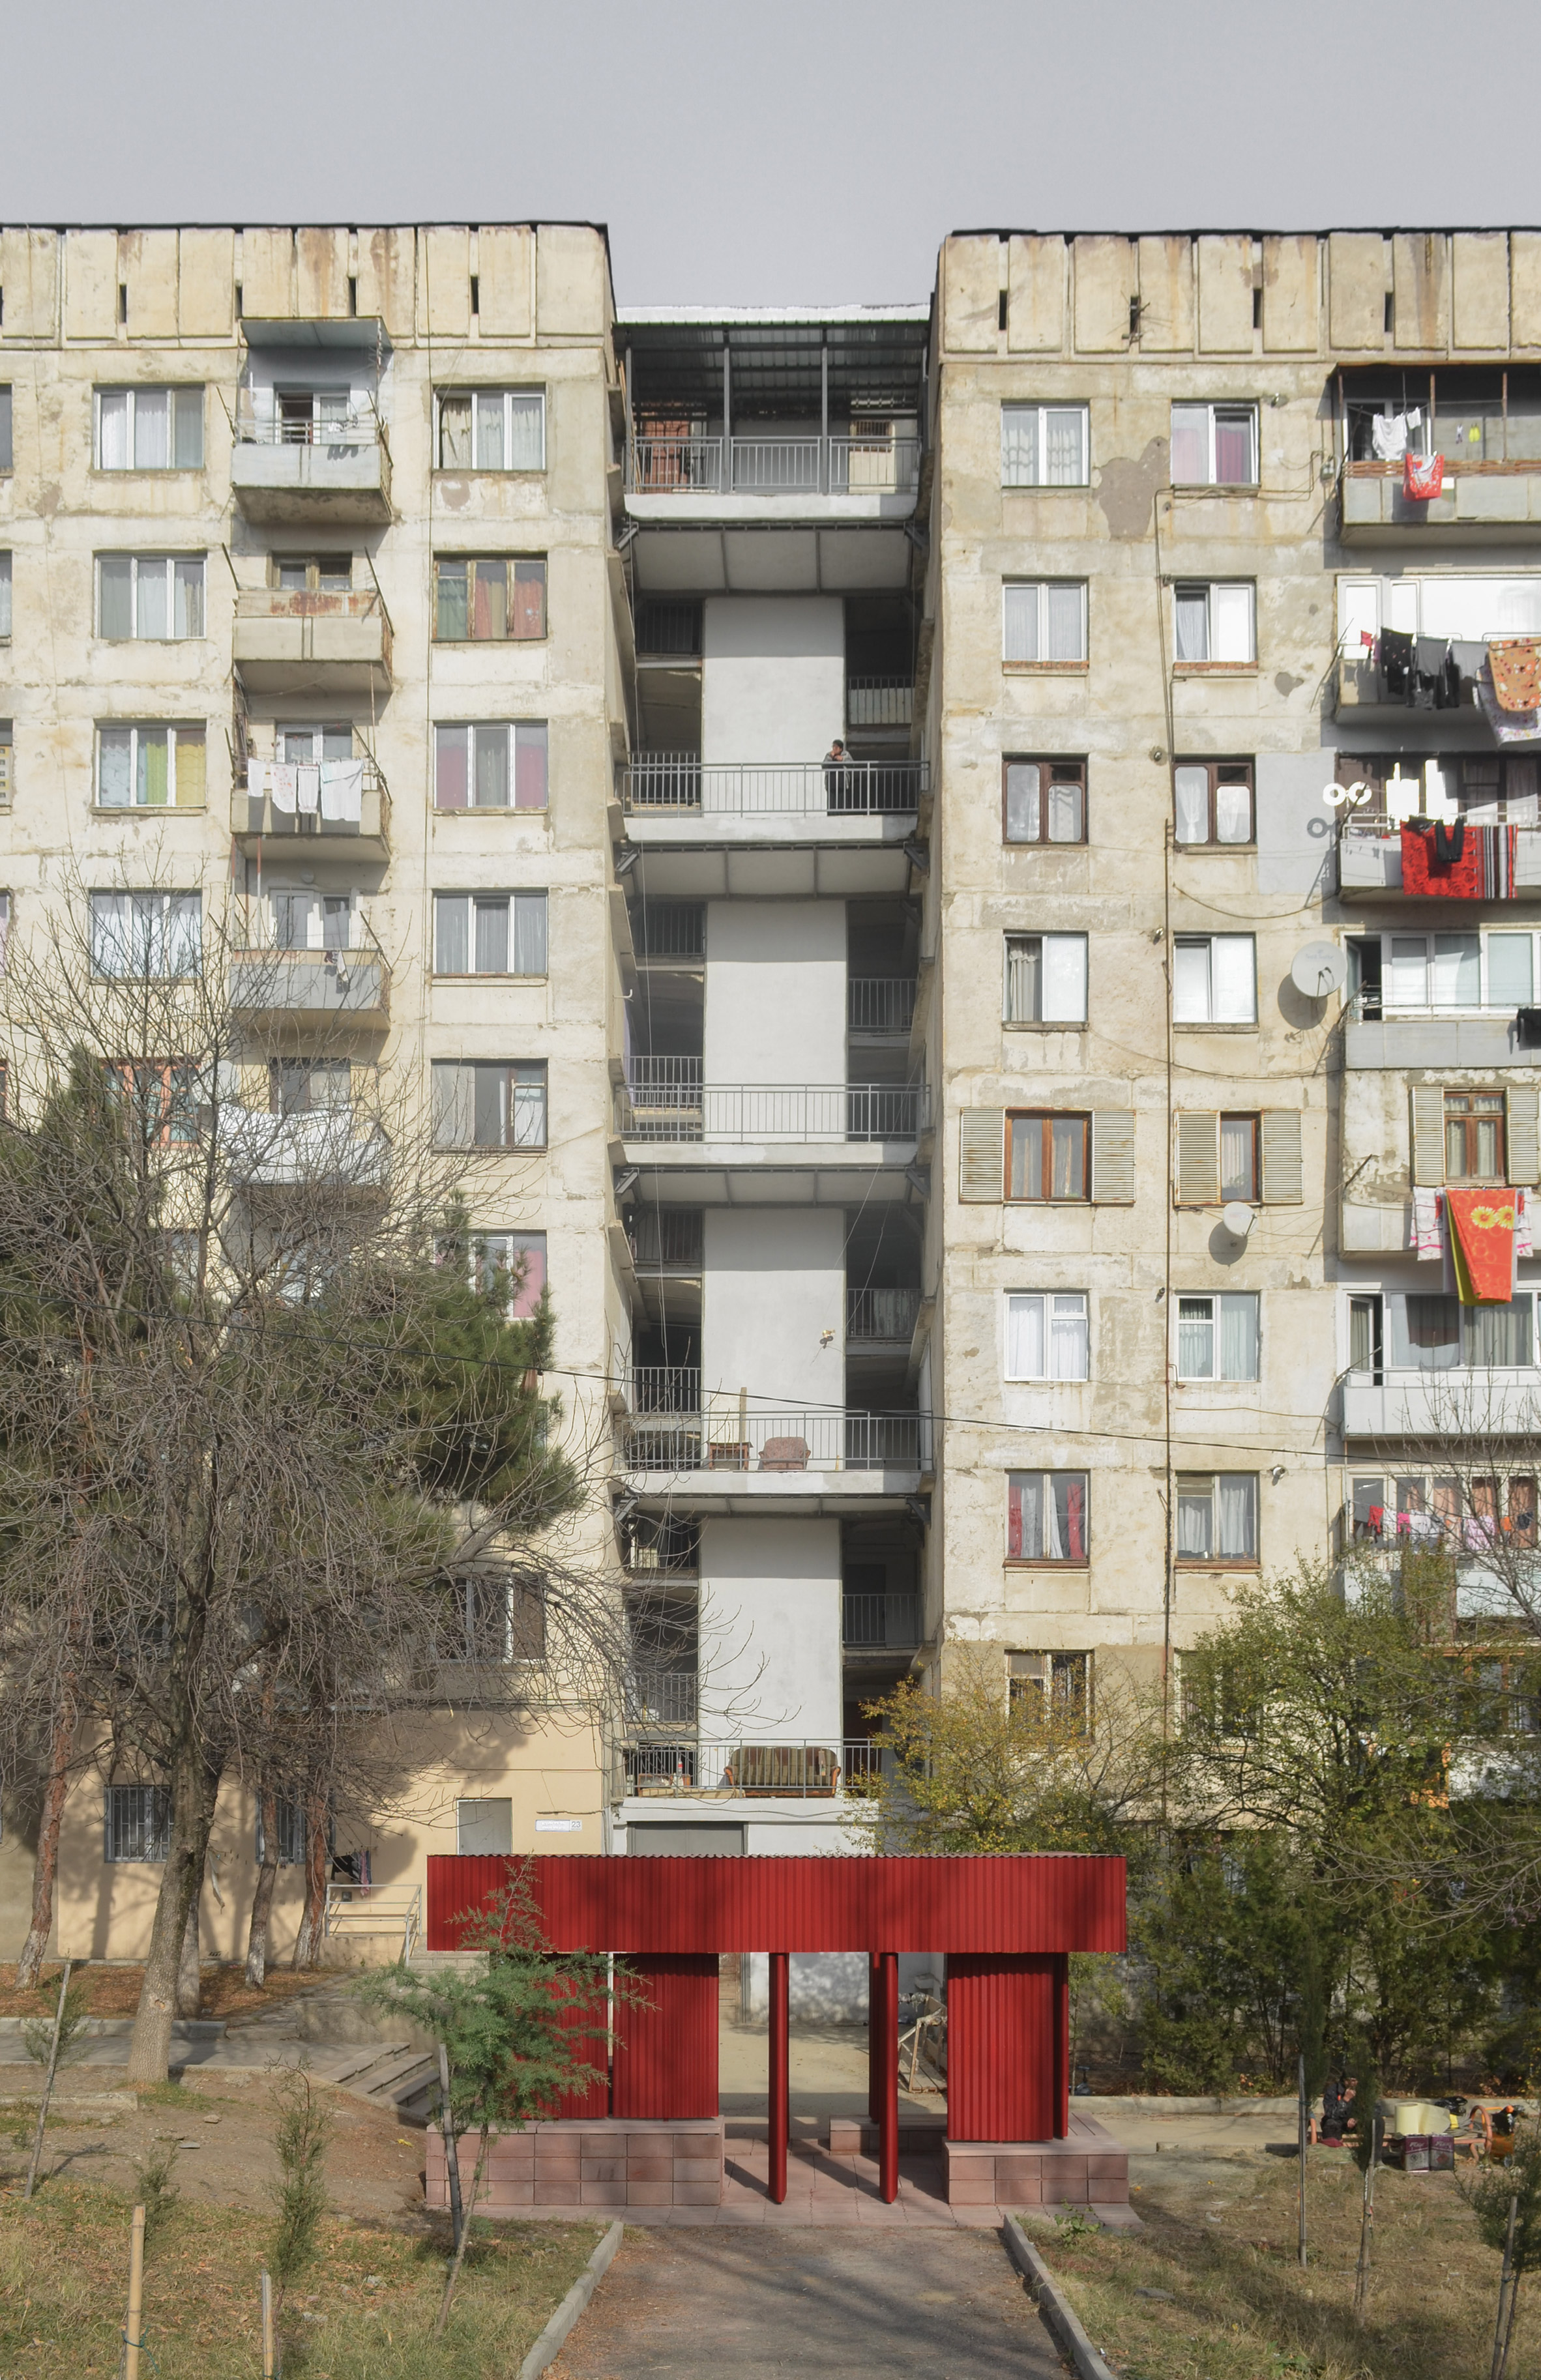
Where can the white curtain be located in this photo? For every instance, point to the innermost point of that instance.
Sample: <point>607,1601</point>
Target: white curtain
<point>1190,983</point>
<point>190,599</point>
<point>1235,979</point>
<point>528,936</point>
<point>1235,1514</point>
<point>1064,812</point>
<point>1067,1337</point>
<point>151,429</point>
<point>454,1089</point>
<point>151,600</point>
<point>1195,1339</point>
<point>529,1109</point>
<point>1024,1338</point>
<point>452,933</point>
<point>1065,446</point>
<point>455,433</point>
<point>1020,622</point>
<point>1064,979</point>
<point>1192,804</point>
<point>1024,964</point>
<point>1190,445</point>
<point>1456,971</point>
<point>1019,446</point>
<point>1237,1336</point>
<point>114,760</point>
<point>1053,1534</point>
<point>1028,1487</point>
<point>527,430</point>
<point>492,937</point>
<point>1238,1157</point>
<point>1407,984</point>
<point>1192,624</point>
<point>112,429</point>
<point>1195,1519</point>
<point>1232,813</point>
<point>1023,780</point>
<point>489,431</point>
<point>1066,613</point>
<point>1509,970</point>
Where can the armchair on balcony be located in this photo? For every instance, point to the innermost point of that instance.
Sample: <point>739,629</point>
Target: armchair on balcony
<point>784,1454</point>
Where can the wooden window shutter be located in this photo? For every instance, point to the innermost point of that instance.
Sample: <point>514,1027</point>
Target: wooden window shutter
<point>1198,1158</point>
<point>1428,1134</point>
<point>1523,1138</point>
<point>1113,1156</point>
<point>1283,1184</point>
<point>981,1155</point>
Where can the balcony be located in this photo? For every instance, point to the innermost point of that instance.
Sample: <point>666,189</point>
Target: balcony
<point>1370,860</point>
<point>1438,1406</point>
<point>795,478</point>
<point>881,1319</point>
<point>330,1149</point>
<point>254,819</point>
<point>874,704</point>
<point>1377,1035</point>
<point>1485,502</point>
<point>312,640</point>
<point>273,985</point>
<point>664,1099</point>
<point>312,474</point>
<point>679,799</point>
<point>689,1769</point>
<point>661,1698</point>
<point>880,1007</point>
<point>872,1624</point>
<point>672,1425</point>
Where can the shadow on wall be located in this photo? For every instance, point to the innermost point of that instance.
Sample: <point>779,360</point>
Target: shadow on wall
<point>18,1849</point>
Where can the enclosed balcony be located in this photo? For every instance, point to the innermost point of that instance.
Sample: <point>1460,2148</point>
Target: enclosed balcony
<point>325,1149</point>
<point>310,468</point>
<point>257,815</point>
<point>1483,424</point>
<point>312,640</point>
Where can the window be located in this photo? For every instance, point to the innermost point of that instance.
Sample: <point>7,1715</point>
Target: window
<point>1045,1516</point>
<point>1473,1136</point>
<point>1437,1334</point>
<point>1214,979</point>
<point>1049,1687</point>
<point>162,1102</point>
<point>1214,445</point>
<point>1044,620</point>
<point>1213,801</point>
<point>150,429</point>
<point>146,935</point>
<point>489,933</point>
<point>289,1826</point>
<point>1217,1516</point>
<point>314,574</point>
<point>1239,1167</point>
<point>311,921</point>
<point>478,602</point>
<point>149,595</point>
<point>1215,622</point>
<point>4,595</point>
<point>483,1829</point>
<point>516,1257</point>
<point>309,1086</point>
<point>150,768</point>
<point>491,765</point>
<point>1048,1156</point>
<point>1045,979</point>
<point>8,761</point>
<point>4,428</point>
<point>1046,801</point>
<point>492,430</point>
<point>1366,1334</point>
<point>482,1105</point>
<point>1216,1337</point>
<point>138,1823</point>
<point>1046,1335</point>
<point>1044,446</point>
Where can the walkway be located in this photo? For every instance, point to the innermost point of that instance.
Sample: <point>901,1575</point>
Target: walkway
<point>841,2306</point>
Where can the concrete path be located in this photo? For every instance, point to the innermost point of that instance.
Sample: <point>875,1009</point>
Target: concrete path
<point>910,2305</point>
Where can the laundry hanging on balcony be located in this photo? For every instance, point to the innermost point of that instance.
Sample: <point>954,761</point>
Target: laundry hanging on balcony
<point>1516,664</point>
<point>282,783</point>
<point>1423,477</point>
<point>1483,1245</point>
<point>342,790</point>
<point>1453,860</point>
<point>1427,1224</point>
<point>307,777</point>
<point>1508,726</point>
<point>1389,434</point>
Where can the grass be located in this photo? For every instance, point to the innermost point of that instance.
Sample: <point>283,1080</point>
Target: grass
<point>363,2311</point>
<point>1237,2306</point>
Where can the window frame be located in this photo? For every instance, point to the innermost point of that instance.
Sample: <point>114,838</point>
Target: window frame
<point>7,763</point>
<point>163,1096</point>
<point>1210,840</point>
<point>1470,1125</point>
<point>170,563</point>
<point>157,1827</point>
<point>1048,1117</point>
<point>506,392</point>
<point>1209,587</point>
<point>1040,409</point>
<point>1048,1560</point>
<point>1041,1023</point>
<point>1047,1299</point>
<point>511,564</point>
<point>138,894</point>
<point>1023,1685</point>
<point>1211,1023</point>
<point>1212,407</point>
<point>1215,1299</point>
<point>1071,771</point>
<point>132,391</point>
<point>523,1304</point>
<point>1212,1560</point>
<point>1042,588</point>
<point>487,896</point>
<point>521,1075</point>
<point>539,731</point>
<point>195,732</point>
<point>1253,1118</point>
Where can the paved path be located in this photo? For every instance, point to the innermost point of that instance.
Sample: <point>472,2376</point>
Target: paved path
<point>848,2306</point>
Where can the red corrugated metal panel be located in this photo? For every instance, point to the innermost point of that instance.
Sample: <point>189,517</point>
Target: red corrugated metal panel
<point>1004,2053</point>
<point>665,2056</point>
<point>1006,1905</point>
<point>595,2051</point>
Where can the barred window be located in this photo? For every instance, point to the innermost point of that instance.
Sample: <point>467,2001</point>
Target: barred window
<point>138,1824</point>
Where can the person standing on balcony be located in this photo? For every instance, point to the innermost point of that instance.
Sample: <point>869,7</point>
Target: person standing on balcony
<point>837,785</point>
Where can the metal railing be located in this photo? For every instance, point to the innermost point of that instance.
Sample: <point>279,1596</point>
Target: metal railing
<point>256,814</point>
<point>880,1003</point>
<point>357,1909</point>
<point>798,1771</point>
<point>877,1620</point>
<point>665,1389</point>
<point>661,1698</point>
<point>1375,1004</point>
<point>354,429</point>
<point>774,467</point>
<point>882,1314</point>
<point>662,1100</point>
<point>721,1435</point>
<point>681,780</point>
<point>670,1235</point>
<point>879,701</point>
<point>669,930</point>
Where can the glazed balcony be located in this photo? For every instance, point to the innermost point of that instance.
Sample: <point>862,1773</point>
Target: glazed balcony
<point>323,474</point>
<point>312,640</point>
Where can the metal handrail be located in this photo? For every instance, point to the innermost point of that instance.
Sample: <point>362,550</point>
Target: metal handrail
<point>679,1107</point>
<point>796,464</point>
<point>887,1314</point>
<point>681,780</point>
<point>724,1436</point>
<point>879,1621</point>
<point>261,944</point>
<point>878,1004</point>
<point>880,701</point>
<point>661,1697</point>
<point>737,1768</point>
<point>309,603</point>
<point>369,1908</point>
<point>355,429</point>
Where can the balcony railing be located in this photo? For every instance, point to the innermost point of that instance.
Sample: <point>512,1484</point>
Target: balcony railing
<point>885,1314</point>
<point>680,781</point>
<point>879,701</point>
<point>271,977</point>
<point>717,1433</point>
<point>328,473</point>
<point>876,1622</point>
<point>329,1147</point>
<point>669,1238</point>
<point>343,631</point>
<point>725,1770</point>
<point>661,1698</point>
<point>774,467</point>
<point>1370,855</point>
<point>880,1003</point>
<point>255,813</point>
<point>359,426</point>
<point>665,1099</point>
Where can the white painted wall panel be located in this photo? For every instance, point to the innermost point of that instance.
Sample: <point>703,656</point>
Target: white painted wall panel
<point>776,991</point>
<point>775,1281</point>
<point>773,677</point>
<point>770,1631</point>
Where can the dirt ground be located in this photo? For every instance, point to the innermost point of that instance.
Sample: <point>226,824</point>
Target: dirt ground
<point>114,1991</point>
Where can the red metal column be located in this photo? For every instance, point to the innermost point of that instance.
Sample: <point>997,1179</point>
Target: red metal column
<point>874,2038</point>
<point>888,2118</point>
<point>780,2093</point>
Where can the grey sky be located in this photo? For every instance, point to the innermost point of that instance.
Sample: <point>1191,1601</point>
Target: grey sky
<point>810,151</point>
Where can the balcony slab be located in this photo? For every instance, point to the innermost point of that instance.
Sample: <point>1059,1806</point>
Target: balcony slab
<point>305,485</point>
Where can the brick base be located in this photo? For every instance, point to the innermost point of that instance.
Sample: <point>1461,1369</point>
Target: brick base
<point>857,2136</point>
<point>1089,2168</point>
<point>605,2161</point>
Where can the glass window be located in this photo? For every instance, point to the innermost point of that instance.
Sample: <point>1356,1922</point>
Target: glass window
<point>1046,801</point>
<point>1216,1337</point>
<point>489,933</point>
<point>1046,1335</point>
<point>1432,1333</point>
<point>491,765</point>
<point>1044,446</point>
<point>492,430</point>
<point>1215,622</point>
<point>493,600</point>
<point>8,761</point>
<point>1473,1136</point>
<point>1239,1138</point>
<point>149,767</point>
<point>1214,979</point>
<point>1045,1516</point>
<point>4,595</point>
<point>1217,1516</point>
<point>1048,1156</point>
<point>4,427</point>
<point>1510,971</point>
<point>1045,979</point>
<point>1213,801</point>
<point>1044,620</point>
<point>146,935</point>
<point>150,595</point>
<point>1048,1686</point>
<point>150,429</point>
<point>518,1257</point>
<point>490,1104</point>
<point>137,1822</point>
<point>1214,445</point>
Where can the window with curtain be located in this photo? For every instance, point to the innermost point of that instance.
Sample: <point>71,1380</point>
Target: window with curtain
<point>1431,1333</point>
<point>1048,1156</point>
<point>1432,971</point>
<point>1045,1516</point>
<point>1214,445</point>
<point>1214,979</point>
<point>1239,1140</point>
<point>1045,979</point>
<point>1044,446</point>
<point>1217,1337</point>
<point>1473,1136</point>
<point>1046,1335</point>
<point>492,599</point>
<point>150,767</point>
<point>1213,801</point>
<point>137,1824</point>
<point>5,463</point>
<point>498,1103</point>
<point>489,933</point>
<point>1045,801</point>
<point>4,596</point>
<point>516,1258</point>
<point>496,764</point>
<point>150,429</point>
<point>161,1102</point>
<point>8,761</point>
<point>1510,970</point>
<point>1048,1686</point>
<point>309,1086</point>
<point>1217,1516</point>
<point>492,430</point>
<point>1044,620</point>
<point>1215,621</point>
<point>156,597</point>
<point>146,935</point>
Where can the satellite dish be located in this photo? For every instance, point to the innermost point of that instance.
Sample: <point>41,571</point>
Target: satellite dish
<point>1318,969</point>
<point>1237,1218</point>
